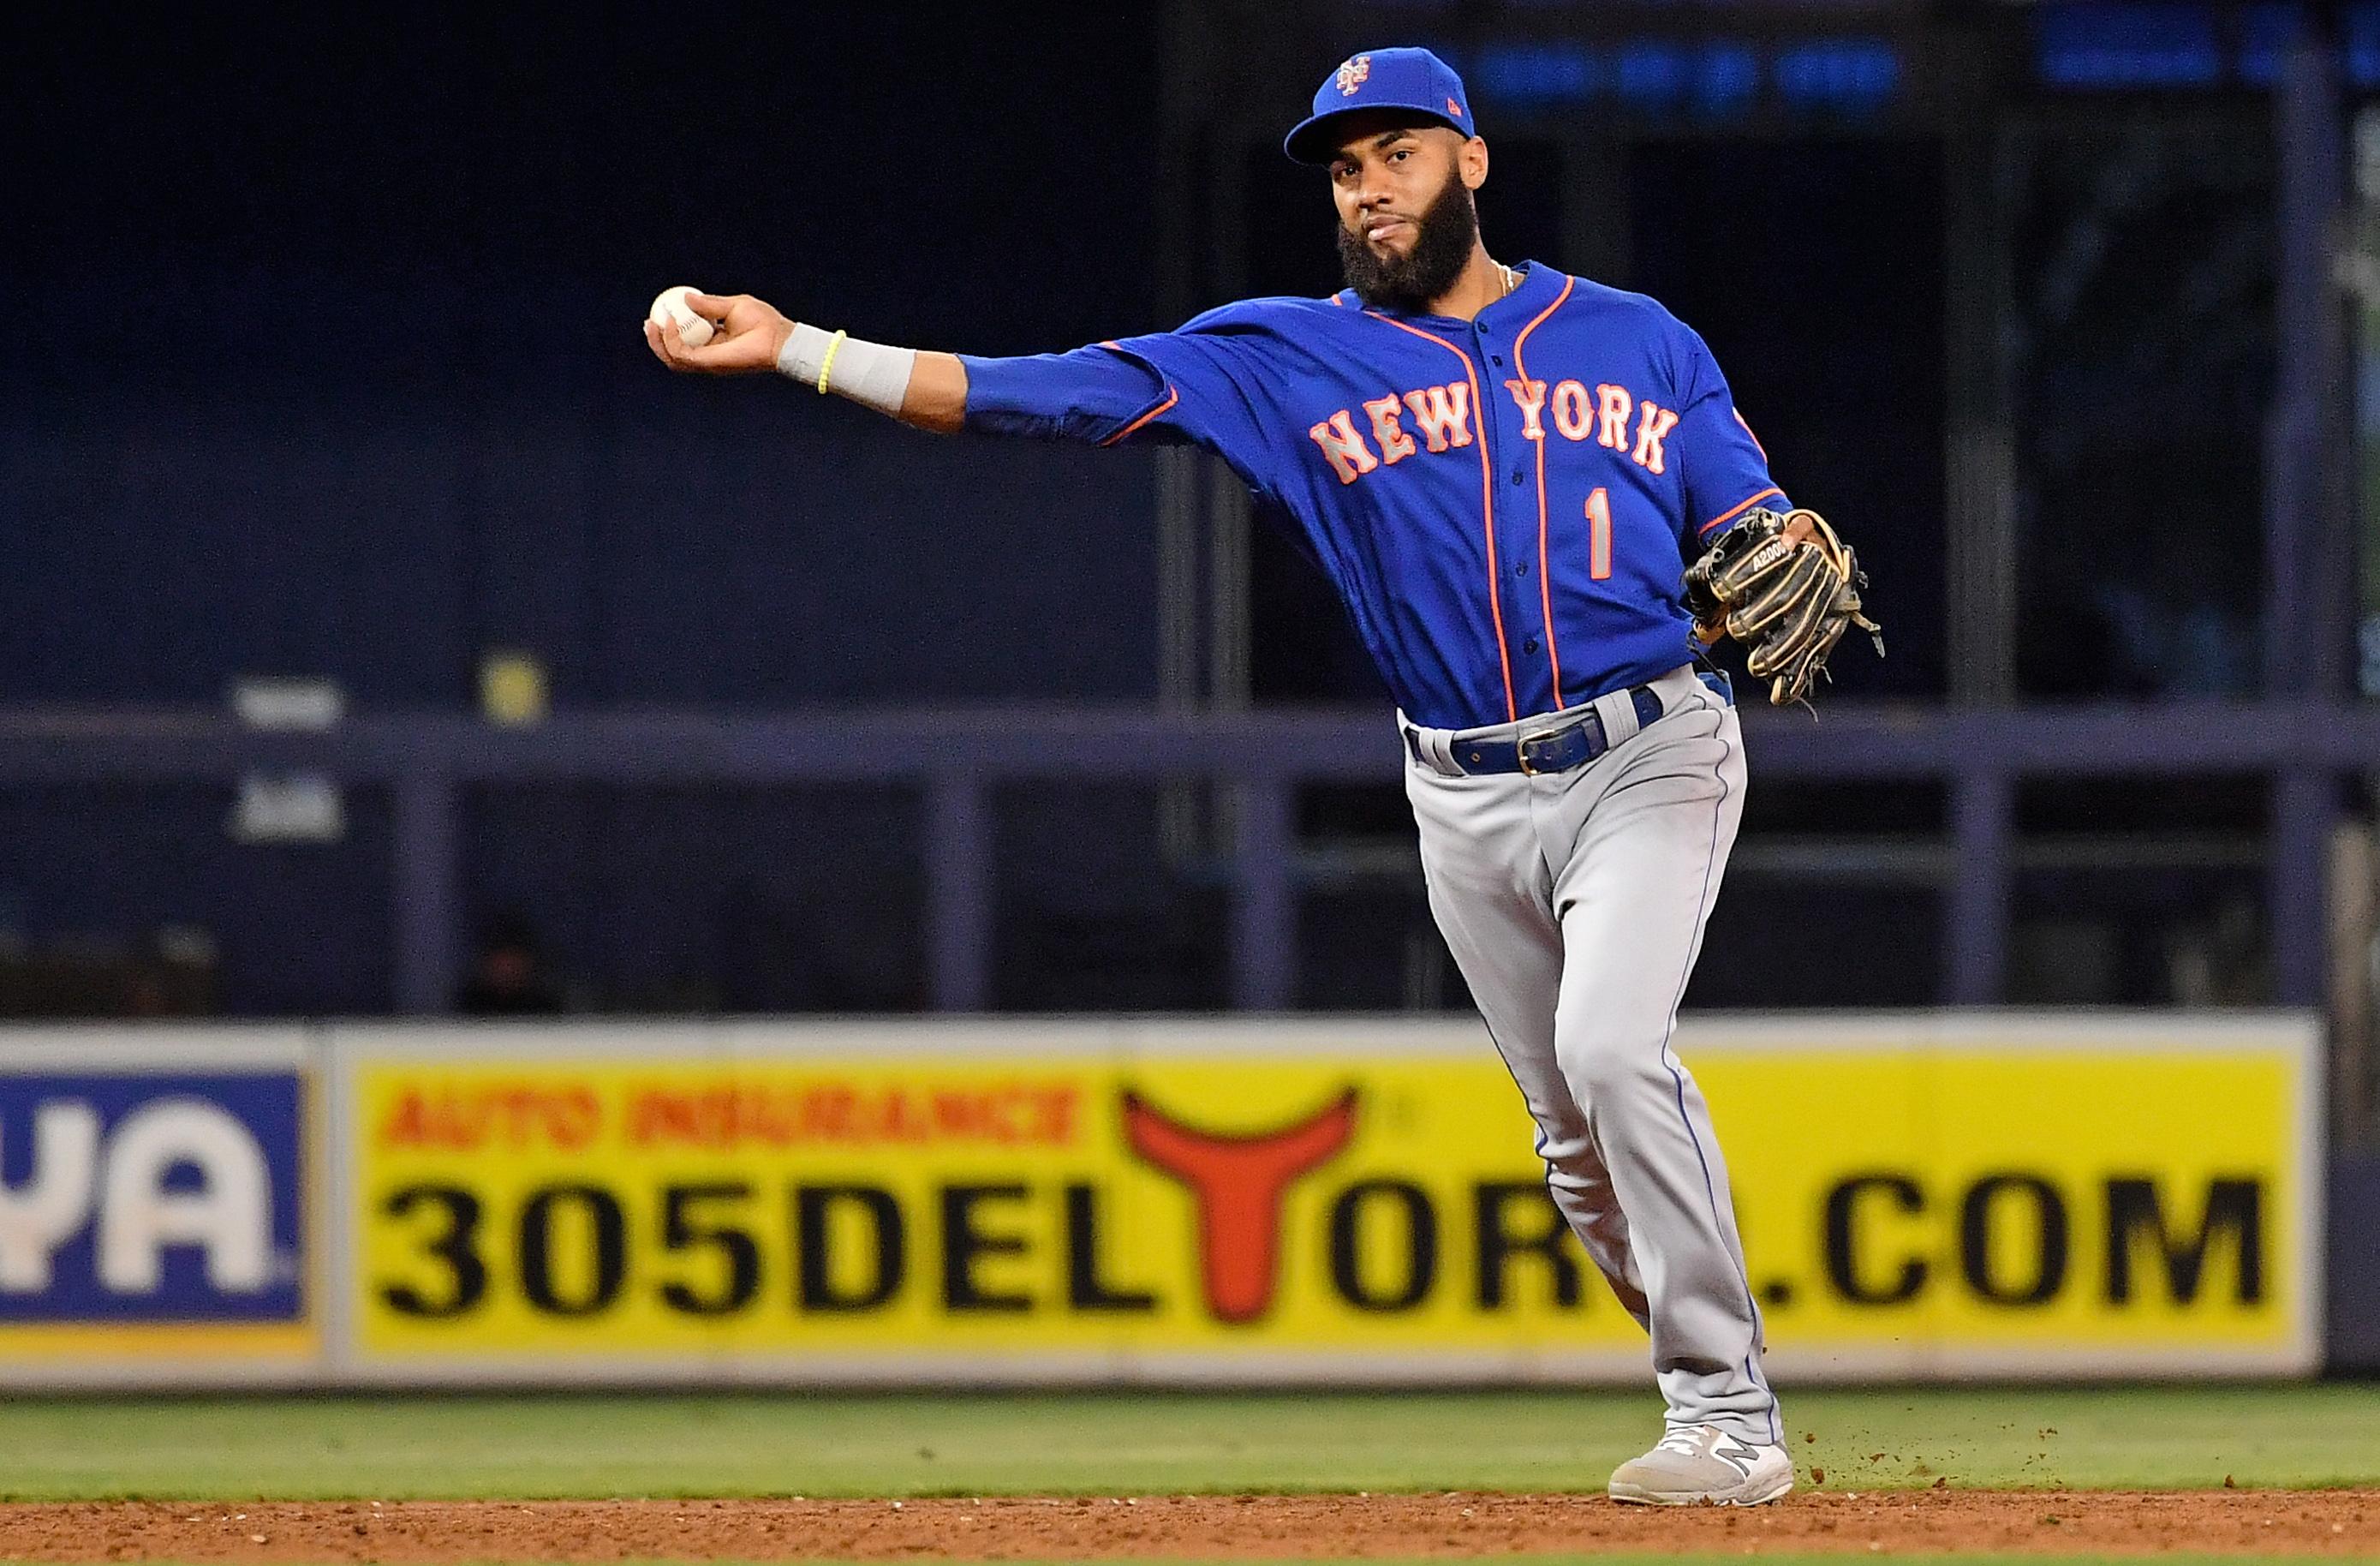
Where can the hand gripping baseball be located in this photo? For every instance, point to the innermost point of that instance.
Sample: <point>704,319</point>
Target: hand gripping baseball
<point>928,391</point>
<point>1787,588</point>
<point>750,333</point>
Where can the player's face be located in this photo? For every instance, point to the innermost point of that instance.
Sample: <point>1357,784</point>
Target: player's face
<point>1406,226</point>
<point>1385,177</point>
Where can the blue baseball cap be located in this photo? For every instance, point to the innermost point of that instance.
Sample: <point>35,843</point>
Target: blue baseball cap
<point>1380,79</point>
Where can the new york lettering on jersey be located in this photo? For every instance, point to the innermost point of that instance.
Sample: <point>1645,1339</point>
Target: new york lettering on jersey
<point>1505,505</point>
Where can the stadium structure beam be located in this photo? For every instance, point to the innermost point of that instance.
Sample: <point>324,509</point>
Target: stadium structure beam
<point>951,757</point>
<point>2307,550</point>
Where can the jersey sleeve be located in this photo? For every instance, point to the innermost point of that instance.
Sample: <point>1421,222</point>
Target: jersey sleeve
<point>1096,393</point>
<point>1206,384</point>
<point>1725,471</point>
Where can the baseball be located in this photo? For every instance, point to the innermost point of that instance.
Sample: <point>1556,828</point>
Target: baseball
<point>670,309</point>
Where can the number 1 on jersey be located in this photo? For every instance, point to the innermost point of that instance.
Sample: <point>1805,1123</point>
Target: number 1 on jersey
<point>1598,534</point>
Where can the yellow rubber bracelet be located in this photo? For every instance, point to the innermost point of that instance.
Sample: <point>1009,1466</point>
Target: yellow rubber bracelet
<point>826,364</point>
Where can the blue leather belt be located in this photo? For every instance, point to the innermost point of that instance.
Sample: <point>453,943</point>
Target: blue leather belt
<point>1560,749</point>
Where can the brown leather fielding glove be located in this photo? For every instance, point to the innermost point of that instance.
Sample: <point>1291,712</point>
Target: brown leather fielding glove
<point>1786,588</point>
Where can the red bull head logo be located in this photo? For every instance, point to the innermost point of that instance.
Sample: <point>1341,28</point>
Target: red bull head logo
<point>1240,1182</point>
<point>1353,74</point>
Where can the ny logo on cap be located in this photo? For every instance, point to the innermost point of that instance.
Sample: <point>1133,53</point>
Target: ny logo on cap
<point>1353,74</point>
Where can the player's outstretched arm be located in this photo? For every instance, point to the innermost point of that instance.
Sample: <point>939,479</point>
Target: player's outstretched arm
<point>928,390</point>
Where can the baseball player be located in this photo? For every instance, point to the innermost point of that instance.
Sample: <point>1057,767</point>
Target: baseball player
<point>1505,471</point>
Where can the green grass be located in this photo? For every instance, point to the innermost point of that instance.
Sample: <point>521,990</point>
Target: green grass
<point>393,1447</point>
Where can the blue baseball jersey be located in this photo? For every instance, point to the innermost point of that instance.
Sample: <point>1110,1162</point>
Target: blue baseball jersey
<point>1506,505</point>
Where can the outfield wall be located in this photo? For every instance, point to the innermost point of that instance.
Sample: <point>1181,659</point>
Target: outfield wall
<point>1928,1196</point>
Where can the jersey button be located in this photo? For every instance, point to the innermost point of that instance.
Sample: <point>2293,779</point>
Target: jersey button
<point>1521,569</point>
<point>1530,645</point>
<point>1519,475</point>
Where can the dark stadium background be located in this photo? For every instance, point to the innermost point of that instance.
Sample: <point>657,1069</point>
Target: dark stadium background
<point>326,364</point>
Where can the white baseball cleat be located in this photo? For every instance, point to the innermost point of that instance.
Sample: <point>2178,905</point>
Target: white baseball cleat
<point>1703,1465</point>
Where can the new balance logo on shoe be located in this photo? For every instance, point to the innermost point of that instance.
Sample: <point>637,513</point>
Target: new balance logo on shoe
<point>1703,1465</point>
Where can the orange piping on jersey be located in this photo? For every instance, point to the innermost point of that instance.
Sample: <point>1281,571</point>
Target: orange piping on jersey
<point>1738,506</point>
<point>1545,578</point>
<point>1172,396</point>
<point>1486,502</point>
<point>1747,430</point>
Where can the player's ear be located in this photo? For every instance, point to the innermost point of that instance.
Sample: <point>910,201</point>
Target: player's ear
<point>1473,163</point>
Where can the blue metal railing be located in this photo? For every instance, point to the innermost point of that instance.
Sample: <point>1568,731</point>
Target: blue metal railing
<point>951,757</point>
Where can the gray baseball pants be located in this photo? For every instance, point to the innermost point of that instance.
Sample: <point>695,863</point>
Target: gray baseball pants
<point>1575,905</point>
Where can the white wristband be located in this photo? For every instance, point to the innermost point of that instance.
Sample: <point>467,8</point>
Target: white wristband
<point>869,373</point>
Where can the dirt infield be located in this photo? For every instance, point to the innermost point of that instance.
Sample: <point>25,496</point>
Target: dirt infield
<point>2272,1521</point>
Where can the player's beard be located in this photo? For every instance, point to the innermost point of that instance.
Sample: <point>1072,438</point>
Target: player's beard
<point>1444,237</point>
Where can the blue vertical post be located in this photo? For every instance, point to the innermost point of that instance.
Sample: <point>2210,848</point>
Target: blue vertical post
<point>958,894</point>
<point>2307,562</point>
<point>1264,898</point>
<point>429,912</point>
<point>2309,555</point>
<point>2299,886</point>
<point>1980,905</point>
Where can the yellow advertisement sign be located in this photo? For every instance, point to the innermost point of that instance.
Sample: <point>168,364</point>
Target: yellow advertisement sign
<point>1311,1200</point>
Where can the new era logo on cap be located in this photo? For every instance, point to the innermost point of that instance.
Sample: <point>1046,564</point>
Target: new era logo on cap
<point>1408,79</point>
